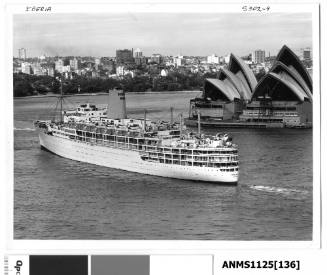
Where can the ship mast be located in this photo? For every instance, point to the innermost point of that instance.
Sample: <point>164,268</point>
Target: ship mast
<point>199,122</point>
<point>180,124</point>
<point>171,115</point>
<point>61,98</point>
<point>144,123</point>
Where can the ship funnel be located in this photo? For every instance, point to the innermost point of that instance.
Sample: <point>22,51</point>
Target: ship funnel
<point>117,104</point>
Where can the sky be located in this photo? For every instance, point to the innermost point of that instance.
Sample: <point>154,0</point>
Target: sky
<point>165,33</point>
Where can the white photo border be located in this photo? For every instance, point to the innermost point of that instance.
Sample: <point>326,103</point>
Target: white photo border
<point>155,246</point>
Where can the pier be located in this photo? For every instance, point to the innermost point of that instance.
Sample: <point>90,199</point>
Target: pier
<point>210,123</point>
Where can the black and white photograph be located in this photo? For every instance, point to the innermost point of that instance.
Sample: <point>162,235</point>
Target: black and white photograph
<point>163,125</point>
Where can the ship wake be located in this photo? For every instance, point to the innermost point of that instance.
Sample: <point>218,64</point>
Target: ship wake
<point>280,190</point>
<point>24,129</point>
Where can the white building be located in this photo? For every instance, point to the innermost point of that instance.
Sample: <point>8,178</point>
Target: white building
<point>179,61</point>
<point>258,56</point>
<point>138,53</point>
<point>26,68</point>
<point>227,58</point>
<point>22,53</point>
<point>121,71</point>
<point>213,59</point>
<point>51,71</point>
<point>59,64</point>
<point>74,64</point>
<point>66,69</point>
<point>164,73</point>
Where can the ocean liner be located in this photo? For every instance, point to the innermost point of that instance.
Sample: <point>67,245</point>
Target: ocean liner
<point>108,138</point>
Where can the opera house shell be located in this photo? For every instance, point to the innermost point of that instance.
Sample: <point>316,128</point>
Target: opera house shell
<point>286,80</point>
<point>235,82</point>
<point>283,95</point>
<point>224,96</point>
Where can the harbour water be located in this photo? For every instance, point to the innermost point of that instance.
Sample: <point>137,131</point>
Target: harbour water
<point>57,198</point>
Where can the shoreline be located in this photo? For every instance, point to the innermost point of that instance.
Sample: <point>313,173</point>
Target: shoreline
<point>104,93</point>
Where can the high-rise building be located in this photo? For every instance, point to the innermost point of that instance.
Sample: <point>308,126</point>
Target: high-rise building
<point>156,58</point>
<point>59,65</point>
<point>75,64</point>
<point>258,56</point>
<point>124,56</point>
<point>307,54</point>
<point>22,53</point>
<point>138,53</point>
<point>139,61</point>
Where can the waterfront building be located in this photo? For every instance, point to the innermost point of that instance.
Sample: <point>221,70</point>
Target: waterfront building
<point>22,53</point>
<point>224,97</point>
<point>258,56</point>
<point>124,56</point>
<point>283,95</point>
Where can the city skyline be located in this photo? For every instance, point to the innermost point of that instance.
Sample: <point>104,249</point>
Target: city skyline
<point>165,33</point>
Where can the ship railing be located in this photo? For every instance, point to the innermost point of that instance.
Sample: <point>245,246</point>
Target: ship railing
<point>171,160</point>
<point>216,159</point>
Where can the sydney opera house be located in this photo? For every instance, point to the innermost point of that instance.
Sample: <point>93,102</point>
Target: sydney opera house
<point>283,95</point>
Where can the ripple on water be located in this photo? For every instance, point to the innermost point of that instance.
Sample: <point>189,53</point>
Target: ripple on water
<point>56,198</point>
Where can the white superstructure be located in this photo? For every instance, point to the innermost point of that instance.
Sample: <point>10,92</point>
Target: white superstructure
<point>142,146</point>
<point>84,113</point>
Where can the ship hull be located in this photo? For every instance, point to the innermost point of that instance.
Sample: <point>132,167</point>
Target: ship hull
<point>130,160</point>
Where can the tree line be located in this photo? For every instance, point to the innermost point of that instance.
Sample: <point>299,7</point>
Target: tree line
<point>27,85</point>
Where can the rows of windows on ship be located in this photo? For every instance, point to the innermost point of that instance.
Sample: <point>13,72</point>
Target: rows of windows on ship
<point>149,147</point>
